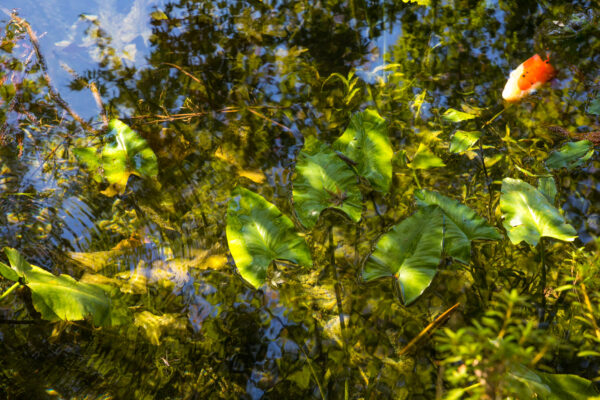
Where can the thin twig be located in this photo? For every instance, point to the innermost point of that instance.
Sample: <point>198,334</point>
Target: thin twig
<point>285,128</point>
<point>95,93</point>
<point>9,290</point>
<point>98,99</point>
<point>183,71</point>
<point>429,329</point>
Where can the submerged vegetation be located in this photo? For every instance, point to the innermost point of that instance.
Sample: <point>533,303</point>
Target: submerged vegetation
<point>271,208</point>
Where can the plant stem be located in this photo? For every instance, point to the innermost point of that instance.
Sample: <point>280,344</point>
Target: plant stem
<point>487,177</point>
<point>9,290</point>
<point>487,181</point>
<point>338,297</point>
<point>542,280</point>
<point>416,178</point>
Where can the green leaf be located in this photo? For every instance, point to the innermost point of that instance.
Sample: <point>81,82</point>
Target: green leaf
<point>553,386</point>
<point>62,297</point>
<point>463,140</point>
<point>323,181</point>
<point>367,143</point>
<point>425,159</point>
<point>571,155</point>
<point>410,252</point>
<point>528,215</point>
<point>547,187</point>
<point>126,153</point>
<point>461,225</point>
<point>568,387</point>
<point>258,234</point>
<point>8,272</point>
<point>17,262</point>
<point>594,107</point>
<point>453,115</point>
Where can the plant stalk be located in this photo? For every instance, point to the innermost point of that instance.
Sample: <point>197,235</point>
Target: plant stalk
<point>338,297</point>
<point>416,178</point>
<point>488,183</point>
<point>542,280</point>
<point>9,290</point>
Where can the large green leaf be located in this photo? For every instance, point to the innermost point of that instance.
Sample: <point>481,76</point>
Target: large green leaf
<point>126,153</point>
<point>258,234</point>
<point>410,252</point>
<point>322,181</point>
<point>62,297</point>
<point>528,215</point>
<point>367,143</point>
<point>548,386</point>
<point>461,225</point>
<point>571,155</point>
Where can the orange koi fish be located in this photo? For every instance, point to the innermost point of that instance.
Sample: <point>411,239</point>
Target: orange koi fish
<point>527,77</point>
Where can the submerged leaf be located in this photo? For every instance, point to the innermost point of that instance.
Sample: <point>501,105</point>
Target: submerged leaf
<point>367,143</point>
<point>528,215</point>
<point>571,155</point>
<point>410,252</point>
<point>461,225</point>
<point>258,234</point>
<point>463,140</point>
<point>547,187</point>
<point>425,159</point>
<point>323,181</point>
<point>154,326</point>
<point>453,115</point>
<point>594,107</point>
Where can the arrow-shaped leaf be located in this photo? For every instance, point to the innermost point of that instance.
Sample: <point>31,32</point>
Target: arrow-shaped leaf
<point>367,143</point>
<point>410,252</point>
<point>323,181</point>
<point>528,215</point>
<point>258,233</point>
<point>462,225</point>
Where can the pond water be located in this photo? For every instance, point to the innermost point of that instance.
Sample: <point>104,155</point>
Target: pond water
<point>225,94</point>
